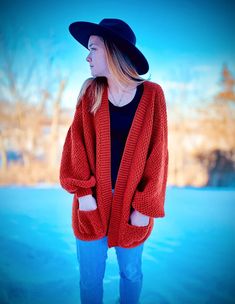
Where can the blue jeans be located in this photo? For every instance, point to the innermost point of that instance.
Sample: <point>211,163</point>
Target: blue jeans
<point>92,257</point>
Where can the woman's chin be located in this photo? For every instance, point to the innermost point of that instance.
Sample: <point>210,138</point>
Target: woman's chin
<point>93,74</point>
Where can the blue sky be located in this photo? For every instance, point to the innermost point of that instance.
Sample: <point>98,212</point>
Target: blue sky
<point>186,42</point>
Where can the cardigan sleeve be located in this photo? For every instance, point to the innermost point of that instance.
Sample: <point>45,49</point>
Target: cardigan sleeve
<point>75,175</point>
<point>149,196</point>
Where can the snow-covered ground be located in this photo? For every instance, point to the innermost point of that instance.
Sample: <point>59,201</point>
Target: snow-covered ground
<point>189,257</point>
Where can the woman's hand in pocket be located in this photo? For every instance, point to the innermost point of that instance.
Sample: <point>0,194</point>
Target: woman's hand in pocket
<point>139,219</point>
<point>87,203</point>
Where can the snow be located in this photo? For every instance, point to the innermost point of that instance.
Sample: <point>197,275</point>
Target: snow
<point>189,257</point>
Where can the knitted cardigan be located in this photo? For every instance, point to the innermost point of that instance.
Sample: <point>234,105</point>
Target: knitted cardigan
<point>141,182</point>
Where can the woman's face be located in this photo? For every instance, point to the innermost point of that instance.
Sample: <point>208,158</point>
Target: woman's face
<point>96,57</point>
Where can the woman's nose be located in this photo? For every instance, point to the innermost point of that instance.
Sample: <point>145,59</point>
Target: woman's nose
<point>88,58</point>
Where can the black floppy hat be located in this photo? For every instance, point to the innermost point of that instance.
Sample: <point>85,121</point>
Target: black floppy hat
<point>115,30</point>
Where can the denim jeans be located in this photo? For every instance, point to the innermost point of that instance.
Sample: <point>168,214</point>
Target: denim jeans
<point>92,257</point>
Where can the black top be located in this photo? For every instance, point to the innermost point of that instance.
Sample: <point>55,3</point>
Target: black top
<point>120,123</point>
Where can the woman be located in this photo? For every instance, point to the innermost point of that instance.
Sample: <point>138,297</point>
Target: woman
<point>115,158</point>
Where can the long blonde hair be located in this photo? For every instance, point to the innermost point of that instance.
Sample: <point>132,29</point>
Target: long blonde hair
<point>119,66</point>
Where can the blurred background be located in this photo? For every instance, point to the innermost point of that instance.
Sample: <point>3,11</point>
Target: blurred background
<point>190,46</point>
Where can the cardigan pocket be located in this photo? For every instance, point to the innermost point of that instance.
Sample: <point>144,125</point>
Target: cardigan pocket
<point>135,235</point>
<point>89,222</point>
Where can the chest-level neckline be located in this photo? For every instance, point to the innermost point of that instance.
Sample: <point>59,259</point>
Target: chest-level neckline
<point>104,138</point>
<point>138,89</point>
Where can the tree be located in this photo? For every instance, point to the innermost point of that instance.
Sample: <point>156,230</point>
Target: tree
<point>30,100</point>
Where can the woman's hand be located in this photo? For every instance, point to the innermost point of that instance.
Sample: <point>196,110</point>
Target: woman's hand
<point>87,203</point>
<point>139,219</point>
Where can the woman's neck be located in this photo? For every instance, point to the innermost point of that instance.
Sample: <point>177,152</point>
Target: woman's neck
<point>120,95</point>
<point>118,88</point>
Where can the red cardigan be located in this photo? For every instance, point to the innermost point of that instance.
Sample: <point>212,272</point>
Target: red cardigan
<point>141,182</point>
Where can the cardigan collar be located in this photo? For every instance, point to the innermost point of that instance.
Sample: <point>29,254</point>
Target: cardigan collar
<point>104,141</point>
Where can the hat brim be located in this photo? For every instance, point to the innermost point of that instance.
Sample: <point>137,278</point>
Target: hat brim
<point>82,31</point>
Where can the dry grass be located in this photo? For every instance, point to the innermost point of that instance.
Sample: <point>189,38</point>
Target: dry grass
<point>38,172</point>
